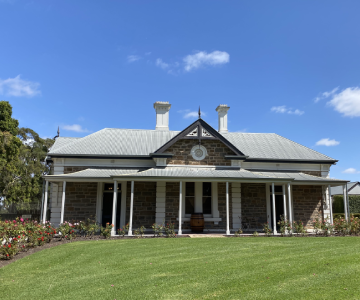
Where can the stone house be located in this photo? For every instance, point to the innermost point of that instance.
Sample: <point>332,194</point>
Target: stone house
<point>141,177</point>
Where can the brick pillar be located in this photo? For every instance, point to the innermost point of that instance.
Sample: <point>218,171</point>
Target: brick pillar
<point>160,202</point>
<point>236,204</point>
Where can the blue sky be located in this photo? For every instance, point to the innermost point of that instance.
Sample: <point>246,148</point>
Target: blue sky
<point>287,67</point>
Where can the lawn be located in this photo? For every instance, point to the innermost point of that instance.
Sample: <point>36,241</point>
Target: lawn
<point>203,268</point>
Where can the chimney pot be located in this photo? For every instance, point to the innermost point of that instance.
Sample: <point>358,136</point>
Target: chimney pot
<point>162,115</point>
<point>222,110</point>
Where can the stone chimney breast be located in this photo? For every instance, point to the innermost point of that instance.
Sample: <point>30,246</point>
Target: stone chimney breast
<point>162,115</point>
<point>222,110</point>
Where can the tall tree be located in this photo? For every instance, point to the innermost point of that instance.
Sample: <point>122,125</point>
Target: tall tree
<point>22,155</point>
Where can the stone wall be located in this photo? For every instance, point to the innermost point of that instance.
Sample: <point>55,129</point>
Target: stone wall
<point>172,206</point>
<point>144,204</point>
<point>253,203</point>
<point>80,200</point>
<point>215,149</point>
<point>307,202</point>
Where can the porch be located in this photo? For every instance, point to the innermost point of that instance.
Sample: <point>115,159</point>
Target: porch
<point>229,199</point>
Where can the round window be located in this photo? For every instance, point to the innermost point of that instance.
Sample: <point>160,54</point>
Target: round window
<point>198,152</point>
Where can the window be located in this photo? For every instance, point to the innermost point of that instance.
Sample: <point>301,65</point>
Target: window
<point>206,198</point>
<point>189,197</point>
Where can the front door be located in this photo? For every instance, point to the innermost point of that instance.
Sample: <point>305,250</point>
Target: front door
<point>107,205</point>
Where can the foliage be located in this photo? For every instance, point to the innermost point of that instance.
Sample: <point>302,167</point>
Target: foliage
<point>169,230</point>
<point>299,227</point>
<point>88,227</point>
<point>124,230</point>
<point>255,234</point>
<point>140,231</point>
<point>106,231</point>
<point>267,230</point>
<point>354,204</point>
<point>351,227</point>
<point>338,204</point>
<point>238,232</point>
<point>67,230</point>
<point>22,154</point>
<point>23,234</point>
<point>285,226</point>
<point>158,229</point>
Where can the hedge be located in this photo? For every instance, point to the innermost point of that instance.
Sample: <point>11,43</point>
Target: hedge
<point>354,204</point>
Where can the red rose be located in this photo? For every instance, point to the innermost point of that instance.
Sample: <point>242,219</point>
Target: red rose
<point>18,236</point>
<point>9,245</point>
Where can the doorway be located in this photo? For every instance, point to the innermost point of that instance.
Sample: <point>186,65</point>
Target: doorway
<point>279,206</point>
<point>107,205</point>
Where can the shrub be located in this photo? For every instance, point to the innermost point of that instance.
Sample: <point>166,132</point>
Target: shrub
<point>158,229</point>
<point>140,231</point>
<point>284,225</point>
<point>106,231</point>
<point>169,230</point>
<point>267,230</point>
<point>255,234</point>
<point>67,230</point>
<point>354,204</point>
<point>88,227</point>
<point>338,204</point>
<point>9,250</point>
<point>299,228</point>
<point>124,230</point>
<point>238,232</point>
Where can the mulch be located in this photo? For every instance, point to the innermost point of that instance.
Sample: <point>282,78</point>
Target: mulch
<point>57,242</point>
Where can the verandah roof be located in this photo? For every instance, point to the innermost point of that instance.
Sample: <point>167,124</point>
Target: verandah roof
<point>183,173</point>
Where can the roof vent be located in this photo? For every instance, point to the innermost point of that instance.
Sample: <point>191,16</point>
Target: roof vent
<point>162,115</point>
<point>222,110</point>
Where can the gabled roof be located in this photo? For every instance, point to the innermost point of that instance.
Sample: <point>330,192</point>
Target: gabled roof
<point>197,128</point>
<point>353,188</point>
<point>112,142</point>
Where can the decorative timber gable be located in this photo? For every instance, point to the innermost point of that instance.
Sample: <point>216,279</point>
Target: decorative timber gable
<point>200,144</point>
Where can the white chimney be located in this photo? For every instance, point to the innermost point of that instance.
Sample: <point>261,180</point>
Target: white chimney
<point>222,110</point>
<point>162,115</point>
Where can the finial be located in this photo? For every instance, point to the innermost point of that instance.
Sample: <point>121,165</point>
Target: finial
<point>199,113</point>
<point>58,133</point>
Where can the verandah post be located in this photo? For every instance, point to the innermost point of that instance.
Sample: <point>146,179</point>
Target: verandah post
<point>273,207</point>
<point>330,204</point>
<point>180,209</point>
<point>113,220</point>
<point>227,209</point>
<point>131,208</point>
<point>290,206</point>
<point>45,201</point>
<point>63,203</point>
<point>284,198</point>
<point>345,204</point>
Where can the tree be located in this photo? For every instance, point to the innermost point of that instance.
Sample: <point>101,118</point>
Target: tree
<point>22,155</point>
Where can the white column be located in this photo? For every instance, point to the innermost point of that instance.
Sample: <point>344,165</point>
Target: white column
<point>131,207</point>
<point>330,204</point>
<point>227,209</point>
<point>273,207</point>
<point>345,204</point>
<point>284,198</point>
<point>180,208</point>
<point>45,201</point>
<point>290,206</point>
<point>113,221</point>
<point>63,203</point>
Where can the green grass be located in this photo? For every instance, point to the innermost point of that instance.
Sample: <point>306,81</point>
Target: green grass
<point>203,268</point>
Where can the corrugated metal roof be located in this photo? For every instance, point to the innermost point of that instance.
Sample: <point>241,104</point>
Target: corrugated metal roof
<point>271,146</point>
<point>338,190</point>
<point>97,173</point>
<point>62,141</point>
<point>110,141</point>
<point>297,176</point>
<point>191,172</point>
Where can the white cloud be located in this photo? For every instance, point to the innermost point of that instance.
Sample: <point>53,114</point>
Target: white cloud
<point>18,87</point>
<point>327,142</point>
<point>347,102</point>
<point>325,95</point>
<point>159,62</point>
<point>202,58</point>
<point>351,171</point>
<point>187,113</point>
<point>75,127</point>
<point>133,58</point>
<point>283,109</point>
